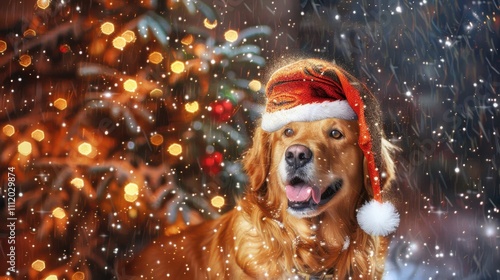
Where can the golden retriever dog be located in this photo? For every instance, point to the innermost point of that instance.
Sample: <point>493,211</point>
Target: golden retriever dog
<point>297,220</point>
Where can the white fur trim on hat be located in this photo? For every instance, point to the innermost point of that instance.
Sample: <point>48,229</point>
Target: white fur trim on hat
<point>378,218</point>
<point>308,112</point>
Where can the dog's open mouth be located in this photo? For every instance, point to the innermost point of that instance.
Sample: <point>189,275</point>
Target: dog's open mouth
<point>302,196</point>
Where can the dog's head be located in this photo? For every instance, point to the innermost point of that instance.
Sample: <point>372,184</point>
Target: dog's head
<point>310,167</point>
<point>320,144</point>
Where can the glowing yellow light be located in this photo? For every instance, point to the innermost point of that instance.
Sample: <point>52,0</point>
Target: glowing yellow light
<point>77,182</point>
<point>231,35</point>
<point>255,85</point>
<point>155,57</point>
<point>107,28</point>
<point>156,139</point>
<point>177,67</point>
<point>60,103</point>
<point>38,135</point>
<point>8,130</point>
<point>175,149</point>
<point>156,92</point>
<point>43,4</point>
<point>25,60</point>
<point>29,33</point>
<point>131,192</point>
<point>210,25</point>
<point>38,265</point>
<point>78,276</point>
<point>187,40</point>
<point>129,36</point>
<point>119,42</point>
<point>192,107</point>
<point>132,213</point>
<point>217,201</point>
<point>85,149</point>
<point>59,213</point>
<point>3,46</point>
<point>51,277</point>
<point>130,85</point>
<point>24,148</point>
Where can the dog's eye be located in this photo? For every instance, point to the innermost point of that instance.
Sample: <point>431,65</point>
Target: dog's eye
<point>335,134</point>
<point>288,132</point>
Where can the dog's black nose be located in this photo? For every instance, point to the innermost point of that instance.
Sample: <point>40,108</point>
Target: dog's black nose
<point>298,155</point>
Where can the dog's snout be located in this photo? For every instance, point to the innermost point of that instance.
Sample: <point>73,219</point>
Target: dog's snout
<point>298,155</point>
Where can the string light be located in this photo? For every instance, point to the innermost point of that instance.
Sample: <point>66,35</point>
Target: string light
<point>8,130</point>
<point>155,57</point>
<point>77,183</point>
<point>175,149</point>
<point>43,4</point>
<point>29,33</point>
<point>177,67</point>
<point>208,24</point>
<point>59,213</point>
<point>156,93</point>
<point>255,85</point>
<point>24,148</point>
<point>38,135</point>
<point>231,35</point>
<point>25,60</point>
<point>61,103</point>
<point>38,265</point>
<point>85,148</point>
<point>107,28</point>
<point>119,43</point>
<point>131,192</point>
<point>192,107</point>
<point>156,139</point>
<point>3,46</point>
<point>187,40</point>
<point>130,85</point>
<point>129,36</point>
<point>217,201</point>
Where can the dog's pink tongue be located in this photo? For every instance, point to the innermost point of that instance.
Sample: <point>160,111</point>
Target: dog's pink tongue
<point>302,193</point>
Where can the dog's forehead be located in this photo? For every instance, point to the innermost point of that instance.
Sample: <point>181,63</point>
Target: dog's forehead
<point>323,124</point>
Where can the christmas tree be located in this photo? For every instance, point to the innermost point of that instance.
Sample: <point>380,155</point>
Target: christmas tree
<point>121,120</point>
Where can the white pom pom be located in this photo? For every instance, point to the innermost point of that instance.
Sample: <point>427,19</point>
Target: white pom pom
<point>377,218</point>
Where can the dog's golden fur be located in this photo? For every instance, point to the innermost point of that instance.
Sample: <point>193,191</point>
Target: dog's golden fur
<point>261,238</point>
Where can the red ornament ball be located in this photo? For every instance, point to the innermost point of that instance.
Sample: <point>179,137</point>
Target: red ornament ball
<point>222,110</point>
<point>211,163</point>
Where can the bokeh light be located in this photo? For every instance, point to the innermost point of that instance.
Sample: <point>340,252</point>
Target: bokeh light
<point>60,103</point>
<point>8,130</point>
<point>59,213</point>
<point>107,28</point>
<point>231,35</point>
<point>38,135</point>
<point>77,183</point>
<point>78,276</point>
<point>192,107</point>
<point>38,265</point>
<point>24,148</point>
<point>155,57</point>
<point>255,85</point>
<point>25,60</point>
<point>119,42</point>
<point>130,85</point>
<point>156,93</point>
<point>129,36</point>
<point>177,67</point>
<point>131,192</point>
<point>85,148</point>
<point>217,201</point>
<point>3,46</point>
<point>156,139</point>
<point>208,24</point>
<point>175,149</point>
<point>43,4</point>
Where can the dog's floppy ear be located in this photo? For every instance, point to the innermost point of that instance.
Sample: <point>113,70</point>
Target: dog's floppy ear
<point>257,160</point>
<point>388,151</point>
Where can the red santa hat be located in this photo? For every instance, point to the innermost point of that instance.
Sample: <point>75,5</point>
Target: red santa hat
<point>312,89</point>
